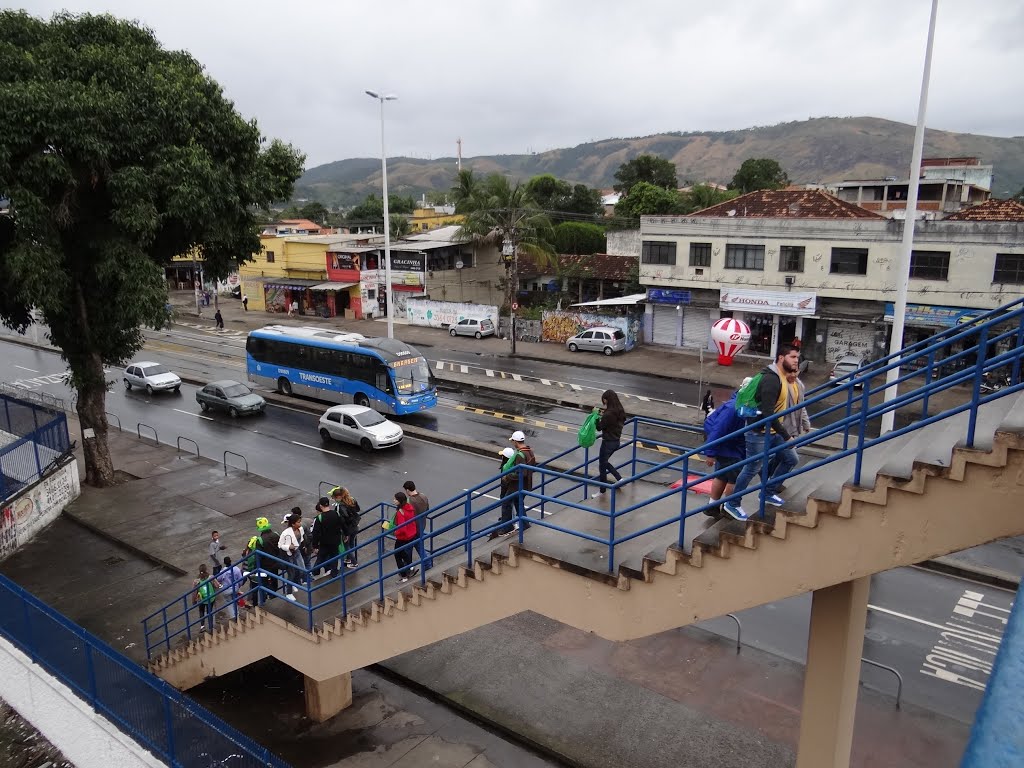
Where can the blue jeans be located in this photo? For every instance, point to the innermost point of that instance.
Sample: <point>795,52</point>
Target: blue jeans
<point>787,459</point>
<point>604,460</point>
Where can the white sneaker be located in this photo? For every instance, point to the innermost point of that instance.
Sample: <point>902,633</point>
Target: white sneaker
<point>290,596</point>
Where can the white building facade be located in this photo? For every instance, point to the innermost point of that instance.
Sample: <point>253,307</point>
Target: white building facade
<point>813,275</point>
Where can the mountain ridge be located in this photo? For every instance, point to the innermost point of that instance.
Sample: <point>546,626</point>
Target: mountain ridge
<point>821,149</point>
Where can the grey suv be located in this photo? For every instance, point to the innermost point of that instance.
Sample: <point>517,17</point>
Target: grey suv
<point>603,339</point>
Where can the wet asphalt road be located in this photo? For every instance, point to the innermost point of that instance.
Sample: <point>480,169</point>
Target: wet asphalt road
<point>912,609</point>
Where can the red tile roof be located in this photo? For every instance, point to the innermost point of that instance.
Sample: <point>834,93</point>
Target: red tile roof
<point>599,266</point>
<point>788,204</point>
<point>991,210</point>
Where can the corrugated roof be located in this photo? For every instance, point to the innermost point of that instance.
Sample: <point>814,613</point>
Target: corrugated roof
<point>991,210</point>
<point>788,204</point>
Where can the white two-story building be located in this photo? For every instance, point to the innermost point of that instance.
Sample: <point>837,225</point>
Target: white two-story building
<point>802,264</point>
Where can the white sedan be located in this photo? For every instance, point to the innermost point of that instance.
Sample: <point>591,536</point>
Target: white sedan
<point>151,377</point>
<point>359,425</point>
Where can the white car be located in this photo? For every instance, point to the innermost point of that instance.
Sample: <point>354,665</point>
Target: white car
<point>153,377</point>
<point>471,326</point>
<point>360,426</point>
<point>601,339</point>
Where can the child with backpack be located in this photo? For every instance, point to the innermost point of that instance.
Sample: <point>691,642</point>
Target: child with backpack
<point>720,422</point>
<point>205,589</point>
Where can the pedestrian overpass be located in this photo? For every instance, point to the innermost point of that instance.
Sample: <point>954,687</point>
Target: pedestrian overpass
<point>638,559</point>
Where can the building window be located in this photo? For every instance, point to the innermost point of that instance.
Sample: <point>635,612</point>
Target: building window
<point>1009,268</point>
<point>700,254</point>
<point>658,253</point>
<point>744,256</point>
<point>929,265</point>
<point>849,261</point>
<point>791,258</point>
<point>270,257</point>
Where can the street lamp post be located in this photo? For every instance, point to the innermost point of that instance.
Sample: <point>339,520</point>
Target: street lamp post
<point>387,223</point>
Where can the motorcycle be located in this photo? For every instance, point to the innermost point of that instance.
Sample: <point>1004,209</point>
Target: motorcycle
<point>991,382</point>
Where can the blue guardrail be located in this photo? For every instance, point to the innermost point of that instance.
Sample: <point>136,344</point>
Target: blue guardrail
<point>153,713</point>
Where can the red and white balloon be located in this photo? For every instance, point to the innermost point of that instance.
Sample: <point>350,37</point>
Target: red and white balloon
<point>730,336</point>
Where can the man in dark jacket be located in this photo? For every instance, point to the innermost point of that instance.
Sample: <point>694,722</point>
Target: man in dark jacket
<point>509,491</point>
<point>326,536</point>
<point>420,504</point>
<point>775,393</point>
<point>264,572</point>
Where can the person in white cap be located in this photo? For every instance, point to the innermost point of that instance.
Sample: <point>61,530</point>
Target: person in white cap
<point>518,440</point>
<point>509,492</point>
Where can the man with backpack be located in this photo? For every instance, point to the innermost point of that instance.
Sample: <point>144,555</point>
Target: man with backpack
<point>510,458</point>
<point>721,422</point>
<point>262,570</point>
<point>769,392</point>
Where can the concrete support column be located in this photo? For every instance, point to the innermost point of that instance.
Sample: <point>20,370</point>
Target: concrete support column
<point>326,698</point>
<point>835,645</point>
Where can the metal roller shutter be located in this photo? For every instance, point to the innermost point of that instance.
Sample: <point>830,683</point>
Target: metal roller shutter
<point>666,325</point>
<point>696,327</point>
<point>848,339</point>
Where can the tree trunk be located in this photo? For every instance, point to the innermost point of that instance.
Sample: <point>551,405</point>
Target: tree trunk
<point>91,407</point>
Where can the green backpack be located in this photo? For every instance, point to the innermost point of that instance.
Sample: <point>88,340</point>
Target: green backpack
<point>746,398</point>
<point>206,591</point>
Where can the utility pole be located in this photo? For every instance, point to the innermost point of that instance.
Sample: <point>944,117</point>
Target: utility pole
<point>508,251</point>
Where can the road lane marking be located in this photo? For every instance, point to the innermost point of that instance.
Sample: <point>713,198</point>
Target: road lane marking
<point>967,644</point>
<point>546,382</point>
<point>489,372</point>
<point>322,450</point>
<point>192,413</point>
<point>30,370</point>
<point>478,494</point>
<point>516,377</point>
<point>576,387</point>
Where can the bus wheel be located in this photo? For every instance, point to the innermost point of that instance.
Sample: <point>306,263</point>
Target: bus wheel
<point>284,386</point>
<point>362,400</point>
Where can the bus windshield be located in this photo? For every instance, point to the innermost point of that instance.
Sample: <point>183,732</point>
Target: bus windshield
<point>412,376</point>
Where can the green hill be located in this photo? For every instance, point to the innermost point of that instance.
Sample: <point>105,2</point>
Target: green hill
<point>816,150</point>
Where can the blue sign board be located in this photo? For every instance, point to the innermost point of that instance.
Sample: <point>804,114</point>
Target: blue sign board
<point>934,316</point>
<point>667,296</point>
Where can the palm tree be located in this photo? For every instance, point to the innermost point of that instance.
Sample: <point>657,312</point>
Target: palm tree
<point>500,211</point>
<point>400,226</point>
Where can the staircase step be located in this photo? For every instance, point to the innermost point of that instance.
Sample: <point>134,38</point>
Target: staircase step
<point>1013,419</point>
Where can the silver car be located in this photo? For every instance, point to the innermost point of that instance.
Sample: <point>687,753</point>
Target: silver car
<point>153,377</point>
<point>845,366</point>
<point>471,326</point>
<point>360,426</point>
<point>602,339</point>
<point>231,396</point>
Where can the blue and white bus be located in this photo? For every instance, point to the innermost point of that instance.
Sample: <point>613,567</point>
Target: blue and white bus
<point>387,375</point>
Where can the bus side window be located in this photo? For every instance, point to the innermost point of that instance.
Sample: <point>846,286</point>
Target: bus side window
<point>384,382</point>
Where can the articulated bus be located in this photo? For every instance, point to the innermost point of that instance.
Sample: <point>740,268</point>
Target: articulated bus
<point>387,375</point>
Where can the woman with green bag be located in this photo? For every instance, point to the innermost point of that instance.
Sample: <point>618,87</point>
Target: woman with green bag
<point>611,418</point>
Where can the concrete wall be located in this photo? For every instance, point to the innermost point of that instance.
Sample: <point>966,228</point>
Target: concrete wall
<point>438,314</point>
<point>972,247</point>
<point>558,326</point>
<point>36,507</point>
<point>624,242</point>
<point>87,739</point>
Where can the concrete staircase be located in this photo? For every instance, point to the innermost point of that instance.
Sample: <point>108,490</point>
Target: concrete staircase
<point>921,495</point>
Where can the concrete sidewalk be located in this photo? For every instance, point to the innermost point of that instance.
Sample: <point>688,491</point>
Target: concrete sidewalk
<point>683,695</point>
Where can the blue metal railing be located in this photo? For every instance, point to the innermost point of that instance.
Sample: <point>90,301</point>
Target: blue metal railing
<point>42,441</point>
<point>957,359</point>
<point>161,719</point>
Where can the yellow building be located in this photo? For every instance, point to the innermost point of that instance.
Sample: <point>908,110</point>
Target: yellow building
<point>291,271</point>
<point>434,216</point>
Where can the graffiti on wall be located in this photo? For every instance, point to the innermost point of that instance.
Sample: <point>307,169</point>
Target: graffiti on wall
<point>438,314</point>
<point>560,325</point>
<point>37,507</point>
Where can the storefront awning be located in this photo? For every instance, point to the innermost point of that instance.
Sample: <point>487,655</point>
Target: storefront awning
<point>290,282</point>
<point>332,286</point>
<point>621,301</point>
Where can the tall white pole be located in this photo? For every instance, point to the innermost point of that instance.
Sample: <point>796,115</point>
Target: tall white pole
<point>903,271</point>
<point>387,226</point>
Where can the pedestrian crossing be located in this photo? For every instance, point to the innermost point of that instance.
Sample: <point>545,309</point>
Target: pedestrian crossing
<point>232,332</point>
<point>493,373</point>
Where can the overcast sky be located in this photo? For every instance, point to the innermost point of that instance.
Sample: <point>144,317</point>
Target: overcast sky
<point>540,74</point>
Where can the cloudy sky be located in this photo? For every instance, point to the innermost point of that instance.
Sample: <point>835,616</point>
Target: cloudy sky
<point>539,74</point>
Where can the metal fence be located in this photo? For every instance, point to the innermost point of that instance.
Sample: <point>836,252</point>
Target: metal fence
<point>33,438</point>
<point>161,719</point>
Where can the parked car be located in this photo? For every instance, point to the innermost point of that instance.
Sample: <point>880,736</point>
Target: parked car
<point>231,396</point>
<point>607,340</point>
<point>153,377</point>
<point>471,326</point>
<point>846,365</point>
<point>360,426</point>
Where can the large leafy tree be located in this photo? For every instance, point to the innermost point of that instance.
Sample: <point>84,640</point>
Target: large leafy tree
<point>651,169</point>
<point>564,201</point>
<point>579,238</point>
<point>759,173</point>
<point>116,155</point>
<point>503,212</point>
<point>647,200</point>
<point>370,211</point>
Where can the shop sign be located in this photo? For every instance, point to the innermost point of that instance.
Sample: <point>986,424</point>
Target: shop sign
<point>345,261</point>
<point>768,302</point>
<point>407,262</point>
<point>667,296</point>
<point>933,316</point>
